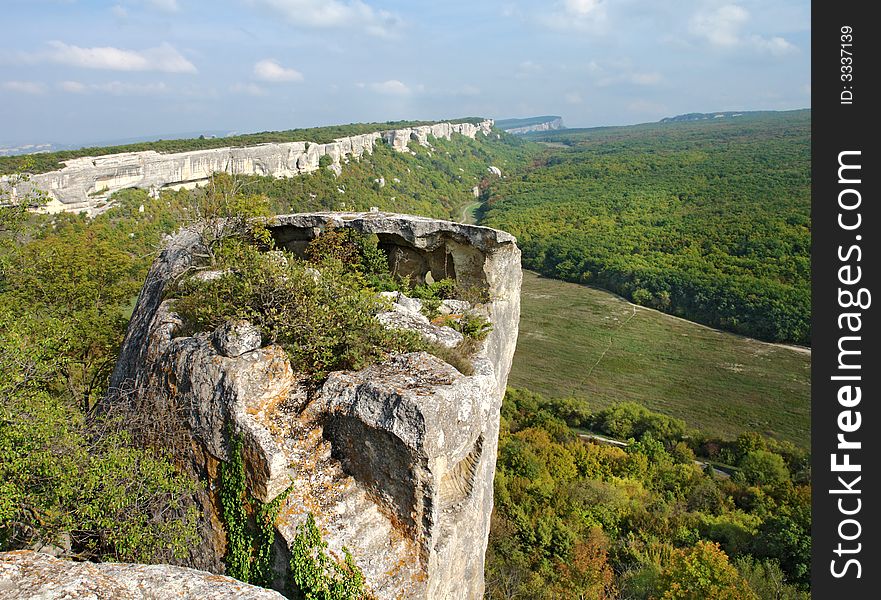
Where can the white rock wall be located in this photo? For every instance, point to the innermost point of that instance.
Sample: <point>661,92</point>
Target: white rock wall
<point>85,184</point>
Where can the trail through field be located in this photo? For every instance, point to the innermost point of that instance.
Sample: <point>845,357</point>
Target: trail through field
<point>589,344</point>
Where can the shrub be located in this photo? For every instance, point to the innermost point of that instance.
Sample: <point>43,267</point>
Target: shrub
<point>316,574</point>
<point>324,320</point>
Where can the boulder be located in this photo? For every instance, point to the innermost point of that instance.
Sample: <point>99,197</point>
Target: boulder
<point>27,575</point>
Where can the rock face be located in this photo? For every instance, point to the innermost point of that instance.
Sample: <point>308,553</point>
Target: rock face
<point>396,461</point>
<point>26,575</point>
<point>85,184</point>
<point>549,125</point>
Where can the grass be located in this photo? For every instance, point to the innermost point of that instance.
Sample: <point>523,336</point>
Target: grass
<point>584,342</point>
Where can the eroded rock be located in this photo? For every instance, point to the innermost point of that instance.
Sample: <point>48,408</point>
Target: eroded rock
<point>26,575</point>
<point>395,461</point>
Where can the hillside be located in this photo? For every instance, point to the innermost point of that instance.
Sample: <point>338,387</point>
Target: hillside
<point>579,341</point>
<point>708,220</point>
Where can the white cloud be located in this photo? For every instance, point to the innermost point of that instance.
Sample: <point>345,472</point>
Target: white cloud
<point>333,13</point>
<point>621,71</point>
<point>73,87</point>
<point>269,70</point>
<point>777,46</point>
<point>721,27</point>
<point>114,88</point>
<point>581,7</point>
<point>249,89</point>
<point>23,87</point>
<point>170,6</point>
<point>119,11</point>
<point>392,87</point>
<point>579,15</point>
<point>573,98</point>
<point>161,58</point>
<point>527,69</point>
<point>121,88</point>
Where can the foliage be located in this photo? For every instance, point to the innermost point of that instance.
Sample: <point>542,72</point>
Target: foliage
<point>631,420</point>
<point>575,518</point>
<point>702,572</point>
<point>316,574</point>
<point>80,486</point>
<point>71,477</point>
<point>433,182</point>
<point>760,467</point>
<point>709,220</point>
<point>473,326</point>
<point>233,495</point>
<point>767,580</point>
<point>324,319</point>
<point>249,550</point>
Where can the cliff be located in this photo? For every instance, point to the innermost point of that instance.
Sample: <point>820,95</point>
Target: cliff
<point>86,183</point>
<point>521,126</point>
<point>395,461</point>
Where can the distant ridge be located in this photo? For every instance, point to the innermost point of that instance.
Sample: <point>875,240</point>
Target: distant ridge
<point>724,114</point>
<point>530,124</point>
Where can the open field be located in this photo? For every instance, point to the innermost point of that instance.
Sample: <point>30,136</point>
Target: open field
<point>584,342</point>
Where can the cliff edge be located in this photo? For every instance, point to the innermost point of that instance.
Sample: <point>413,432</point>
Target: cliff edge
<point>396,460</point>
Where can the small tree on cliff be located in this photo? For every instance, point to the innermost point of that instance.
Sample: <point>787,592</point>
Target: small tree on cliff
<point>223,210</point>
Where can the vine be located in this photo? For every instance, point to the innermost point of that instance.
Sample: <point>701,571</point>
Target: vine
<point>249,551</point>
<point>233,513</point>
<point>316,574</point>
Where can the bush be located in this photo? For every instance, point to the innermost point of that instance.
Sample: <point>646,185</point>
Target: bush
<point>318,576</point>
<point>324,320</point>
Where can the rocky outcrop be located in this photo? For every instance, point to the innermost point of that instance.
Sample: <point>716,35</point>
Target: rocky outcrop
<point>25,575</point>
<point>85,184</point>
<point>396,461</point>
<point>550,124</point>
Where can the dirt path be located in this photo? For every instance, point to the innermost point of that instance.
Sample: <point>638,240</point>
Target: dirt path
<point>639,307</point>
<point>467,215</point>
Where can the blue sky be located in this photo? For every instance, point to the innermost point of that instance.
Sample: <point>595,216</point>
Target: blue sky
<point>78,71</point>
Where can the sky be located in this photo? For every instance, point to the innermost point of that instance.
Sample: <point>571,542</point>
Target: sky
<point>86,71</point>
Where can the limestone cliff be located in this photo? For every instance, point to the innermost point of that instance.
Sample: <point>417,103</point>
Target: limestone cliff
<point>396,461</point>
<point>85,184</point>
<point>522,126</point>
<point>26,575</point>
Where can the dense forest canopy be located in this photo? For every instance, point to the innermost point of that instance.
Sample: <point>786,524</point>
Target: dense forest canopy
<point>709,220</point>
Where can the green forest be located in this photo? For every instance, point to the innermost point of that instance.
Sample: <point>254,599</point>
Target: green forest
<point>707,220</point>
<point>579,519</point>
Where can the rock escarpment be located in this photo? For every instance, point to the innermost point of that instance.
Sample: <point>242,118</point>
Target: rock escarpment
<point>395,461</point>
<point>550,124</point>
<point>86,183</point>
<point>25,575</point>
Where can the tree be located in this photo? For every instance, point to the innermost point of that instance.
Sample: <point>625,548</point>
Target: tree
<point>702,572</point>
<point>761,467</point>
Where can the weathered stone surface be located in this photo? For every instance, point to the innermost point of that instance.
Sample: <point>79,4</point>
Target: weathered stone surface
<point>396,461</point>
<point>405,314</point>
<point>85,184</point>
<point>26,575</point>
<point>550,125</point>
<point>235,338</point>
